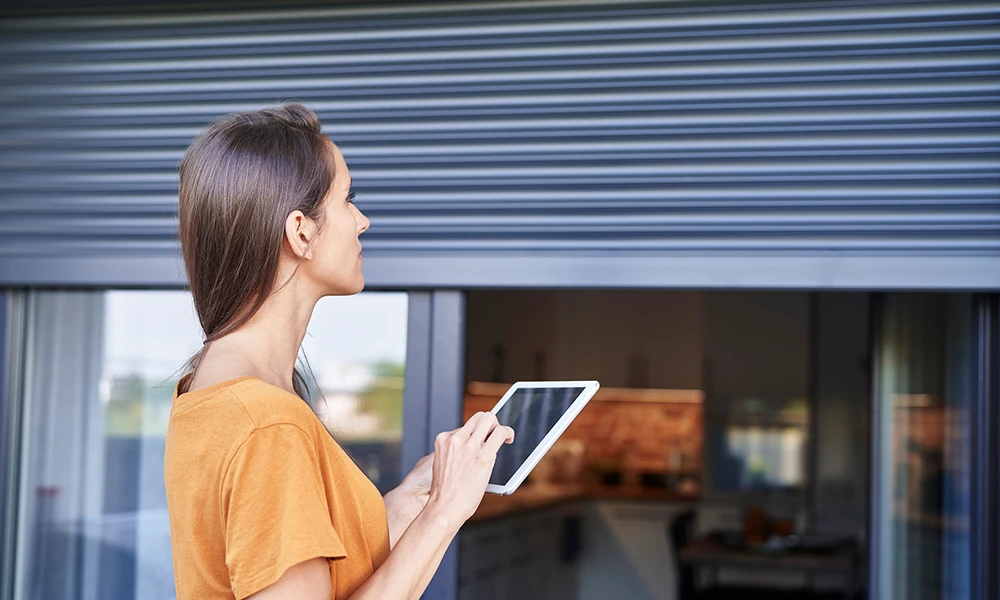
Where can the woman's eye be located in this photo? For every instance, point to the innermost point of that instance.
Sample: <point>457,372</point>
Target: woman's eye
<point>350,196</point>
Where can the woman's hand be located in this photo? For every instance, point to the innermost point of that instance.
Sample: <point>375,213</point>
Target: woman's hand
<point>463,461</point>
<point>416,486</point>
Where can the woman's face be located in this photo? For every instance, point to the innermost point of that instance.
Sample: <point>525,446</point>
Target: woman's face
<point>336,262</point>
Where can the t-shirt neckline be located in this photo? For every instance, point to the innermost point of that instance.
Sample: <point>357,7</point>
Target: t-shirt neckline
<point>186,396</point>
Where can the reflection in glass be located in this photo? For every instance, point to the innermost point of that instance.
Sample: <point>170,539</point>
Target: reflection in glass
<point>531,413</point>
<point>100,373</point>
<point>923,399</point>
<point>356,349</point>
<point>760,446</point>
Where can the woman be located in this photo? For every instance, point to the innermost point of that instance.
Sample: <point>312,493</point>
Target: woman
<point>263,503</point>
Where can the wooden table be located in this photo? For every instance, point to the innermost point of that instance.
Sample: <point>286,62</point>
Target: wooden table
<point>707,552</point>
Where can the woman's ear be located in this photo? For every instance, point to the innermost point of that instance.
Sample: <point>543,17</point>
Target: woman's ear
<point>300,233</point>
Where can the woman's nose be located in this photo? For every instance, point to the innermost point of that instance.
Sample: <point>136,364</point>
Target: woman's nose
<point>363,223</point>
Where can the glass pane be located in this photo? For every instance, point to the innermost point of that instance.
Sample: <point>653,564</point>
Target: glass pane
<point>93,515</point>
<point>356,348</point>
<point>924,401</point>
<point>101,369</point>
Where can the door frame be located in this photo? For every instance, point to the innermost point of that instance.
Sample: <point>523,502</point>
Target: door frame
<point>433,395</point>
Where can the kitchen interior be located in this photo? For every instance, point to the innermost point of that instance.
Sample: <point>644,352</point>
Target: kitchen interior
<point>726,454</point>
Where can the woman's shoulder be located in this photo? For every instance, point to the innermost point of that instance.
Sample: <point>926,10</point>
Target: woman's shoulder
<point>259,403</point>
<point>268,405</point>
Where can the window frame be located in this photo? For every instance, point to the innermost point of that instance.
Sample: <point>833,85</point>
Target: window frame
<point>985,450</point>
<point>12,351</point>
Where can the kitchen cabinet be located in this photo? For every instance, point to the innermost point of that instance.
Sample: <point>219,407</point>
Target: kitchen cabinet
<point>520,556</point>
<point>577,550</point>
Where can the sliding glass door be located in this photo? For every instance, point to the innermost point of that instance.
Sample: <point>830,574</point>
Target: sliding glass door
<point>99,370</point>
<point>924,402</point>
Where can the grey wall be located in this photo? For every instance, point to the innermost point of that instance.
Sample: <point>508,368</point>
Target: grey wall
<point>757,344</point>
<point>842,423</point>
<point>640,339</point>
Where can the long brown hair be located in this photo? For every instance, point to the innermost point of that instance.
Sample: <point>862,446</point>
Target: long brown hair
<point>239,180</point>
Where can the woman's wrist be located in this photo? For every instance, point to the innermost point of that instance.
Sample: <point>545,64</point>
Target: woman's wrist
<point>441,516</point>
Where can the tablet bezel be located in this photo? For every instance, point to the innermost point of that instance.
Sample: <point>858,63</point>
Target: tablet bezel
<point>589,389</point>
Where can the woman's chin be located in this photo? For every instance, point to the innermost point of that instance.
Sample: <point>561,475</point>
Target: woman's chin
<point>355,287</point>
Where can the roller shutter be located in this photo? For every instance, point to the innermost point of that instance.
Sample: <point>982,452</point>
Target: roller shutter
<point>596,144</point>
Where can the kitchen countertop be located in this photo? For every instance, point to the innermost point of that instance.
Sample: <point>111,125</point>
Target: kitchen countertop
<point>540,495</point>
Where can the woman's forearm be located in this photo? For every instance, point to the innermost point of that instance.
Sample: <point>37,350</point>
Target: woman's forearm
<point>414,558</point>
<point>401,508</point>
<point>405,502</point>
<point>456,475</point>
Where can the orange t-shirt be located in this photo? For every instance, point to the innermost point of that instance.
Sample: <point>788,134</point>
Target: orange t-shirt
<point>255,485</point>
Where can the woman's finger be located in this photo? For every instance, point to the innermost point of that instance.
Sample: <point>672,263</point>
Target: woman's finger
<point>487,423</point>
<point>498,437</point>
<point>470,426</point>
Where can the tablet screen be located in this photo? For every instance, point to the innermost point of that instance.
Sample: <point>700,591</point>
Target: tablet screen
<point>532,413</point>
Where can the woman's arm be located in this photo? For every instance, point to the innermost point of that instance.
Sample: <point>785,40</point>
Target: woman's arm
<point>403,504</point>
<point>404,575</point>
<point>463,460</point>
<point>415,559</point>
<point>308,580</point>
<point>462,463</point>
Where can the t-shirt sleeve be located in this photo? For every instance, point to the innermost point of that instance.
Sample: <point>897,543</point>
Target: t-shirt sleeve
<point>275,509</point>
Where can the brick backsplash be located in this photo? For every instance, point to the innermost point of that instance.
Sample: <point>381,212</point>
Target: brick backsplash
<point>641,430</point>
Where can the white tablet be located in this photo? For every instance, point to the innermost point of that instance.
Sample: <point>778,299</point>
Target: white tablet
<point>539,412</point>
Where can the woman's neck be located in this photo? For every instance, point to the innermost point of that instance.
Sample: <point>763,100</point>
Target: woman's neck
<point>266,347</point>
